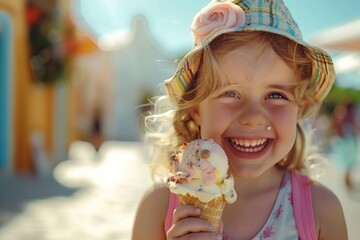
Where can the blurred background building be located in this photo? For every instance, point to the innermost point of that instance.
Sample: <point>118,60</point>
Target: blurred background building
<point>59,84</point>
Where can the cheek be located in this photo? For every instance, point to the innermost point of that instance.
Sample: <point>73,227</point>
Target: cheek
<point>291,135</point>
<point>288,141</point>
<point>286,125</point>
<point>214,121</point>
<point>211,126</point>
<point>285,116</point>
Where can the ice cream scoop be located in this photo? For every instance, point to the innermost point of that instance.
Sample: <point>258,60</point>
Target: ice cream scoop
<point>200,177</point>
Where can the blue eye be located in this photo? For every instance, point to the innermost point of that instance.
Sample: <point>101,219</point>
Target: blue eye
<point>231,94</point>
<point>276,96</point>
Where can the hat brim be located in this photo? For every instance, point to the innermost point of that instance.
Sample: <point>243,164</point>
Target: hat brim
<point>323,72</point>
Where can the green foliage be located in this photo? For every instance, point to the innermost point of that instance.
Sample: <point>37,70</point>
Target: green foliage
<point>338,94</point>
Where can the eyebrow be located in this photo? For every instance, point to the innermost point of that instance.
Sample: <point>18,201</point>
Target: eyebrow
<point>285,87</point>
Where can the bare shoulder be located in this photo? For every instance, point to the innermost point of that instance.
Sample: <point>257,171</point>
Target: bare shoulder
<point>329,216</point>
<point>151,213</point>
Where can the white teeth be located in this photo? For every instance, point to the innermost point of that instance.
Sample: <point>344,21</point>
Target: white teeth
<point>249,149</point>
<point>249,146</point>
<point>248,142</point>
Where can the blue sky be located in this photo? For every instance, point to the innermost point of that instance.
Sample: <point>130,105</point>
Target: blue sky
<point>169,20</point>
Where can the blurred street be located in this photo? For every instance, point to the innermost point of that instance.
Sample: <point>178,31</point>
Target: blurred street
<point>96,198</point>
<point>98,201</point>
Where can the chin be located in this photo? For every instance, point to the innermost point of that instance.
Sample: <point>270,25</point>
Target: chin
<point>246,173</point>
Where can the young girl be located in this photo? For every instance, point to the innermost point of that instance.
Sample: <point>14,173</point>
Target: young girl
<point>248,83</point>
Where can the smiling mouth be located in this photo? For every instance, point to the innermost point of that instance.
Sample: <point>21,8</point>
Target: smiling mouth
<point>248,145</point>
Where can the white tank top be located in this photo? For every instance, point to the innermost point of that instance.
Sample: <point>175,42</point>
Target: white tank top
<point>281,222</point>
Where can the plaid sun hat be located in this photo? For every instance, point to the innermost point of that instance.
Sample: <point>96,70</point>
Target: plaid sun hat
<point>223,16</point>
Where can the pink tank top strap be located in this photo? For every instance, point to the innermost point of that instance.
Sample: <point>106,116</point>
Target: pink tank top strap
<point>173,203</point>
<point>303,208</point>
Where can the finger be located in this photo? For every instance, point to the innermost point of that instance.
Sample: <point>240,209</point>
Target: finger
<point>189,225</point>
<point>184,212</point>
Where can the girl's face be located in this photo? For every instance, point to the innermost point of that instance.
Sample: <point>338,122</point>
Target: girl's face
<point>257,93</point>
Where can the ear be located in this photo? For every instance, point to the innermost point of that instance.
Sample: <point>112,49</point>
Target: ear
<point>195,115</point>
<point>304,104</point>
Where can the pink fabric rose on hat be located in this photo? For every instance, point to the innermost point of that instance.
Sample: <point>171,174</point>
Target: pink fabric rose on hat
<point>215,17</point>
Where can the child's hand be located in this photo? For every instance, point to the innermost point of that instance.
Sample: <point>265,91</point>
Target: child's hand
<point>187,225</point>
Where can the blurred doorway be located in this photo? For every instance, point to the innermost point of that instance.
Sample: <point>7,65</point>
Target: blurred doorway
<point>5,90</point>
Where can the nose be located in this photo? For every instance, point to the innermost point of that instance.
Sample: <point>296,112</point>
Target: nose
<point>252,115</point>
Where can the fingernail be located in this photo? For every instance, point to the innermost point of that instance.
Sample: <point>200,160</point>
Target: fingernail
<point>198,210</point>
<point>211,227</point>
<point>219,236</point>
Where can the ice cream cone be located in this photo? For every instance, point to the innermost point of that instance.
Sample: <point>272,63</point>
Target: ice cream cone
<point>199,176</point>
<point>210,211</point>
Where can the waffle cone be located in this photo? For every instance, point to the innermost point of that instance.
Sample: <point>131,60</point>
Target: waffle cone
<point>210,211</point>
